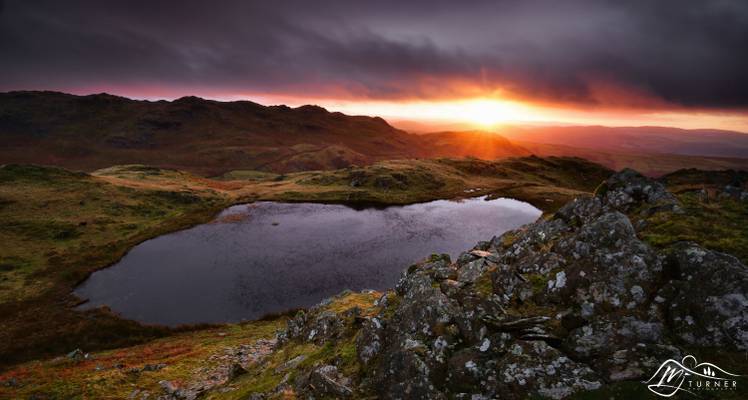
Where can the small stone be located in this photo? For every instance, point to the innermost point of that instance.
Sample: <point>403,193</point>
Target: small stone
<point>11,382</point>
<point>153,367</point>
<point>76,354</point>
<point>480,253</point>
<point>485,345</point>
<point>168,386</point>
<point>236,370</point>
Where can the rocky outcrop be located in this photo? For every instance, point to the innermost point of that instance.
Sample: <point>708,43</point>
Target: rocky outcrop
<point>325,382</point>
<point>570,303</point>
<point>707,304</point>
<point>736,192</point>
<point>220,369</point>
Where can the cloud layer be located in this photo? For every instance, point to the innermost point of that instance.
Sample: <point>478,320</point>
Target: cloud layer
<point>656,54</point>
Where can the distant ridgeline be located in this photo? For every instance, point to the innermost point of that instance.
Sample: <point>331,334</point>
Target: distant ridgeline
<point>212,137</point>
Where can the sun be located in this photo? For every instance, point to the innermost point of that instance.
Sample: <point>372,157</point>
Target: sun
<point>488,113</point>
<point>482,113</point>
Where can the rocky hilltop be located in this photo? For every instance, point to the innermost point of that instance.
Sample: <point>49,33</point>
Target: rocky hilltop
<point>568,304</point>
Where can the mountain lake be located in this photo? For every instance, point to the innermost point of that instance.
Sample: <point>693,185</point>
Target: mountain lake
<point>268,257</point>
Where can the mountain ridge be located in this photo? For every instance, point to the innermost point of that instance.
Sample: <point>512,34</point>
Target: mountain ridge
<point>204,136</point>
<point>210,137</point>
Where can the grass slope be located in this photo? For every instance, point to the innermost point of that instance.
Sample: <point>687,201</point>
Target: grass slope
<point>57,227</point>
<point>113,374</point>
<point>714,221</point>
<point>547,183</point>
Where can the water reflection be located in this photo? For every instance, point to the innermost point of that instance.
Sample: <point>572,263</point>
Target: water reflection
<point>269,257</point>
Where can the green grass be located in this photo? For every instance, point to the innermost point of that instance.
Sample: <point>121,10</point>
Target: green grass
<point>484,285</point>
<point>545,183</point>
<point>249,175</point>
<point>715,224</point>
<point>59,226</point>
<point>539,282</point>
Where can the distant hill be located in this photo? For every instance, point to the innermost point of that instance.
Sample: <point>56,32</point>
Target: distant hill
<point>208,137</point>
<point>636,140</point>
<point>648,163</point>
<point>90,132</point>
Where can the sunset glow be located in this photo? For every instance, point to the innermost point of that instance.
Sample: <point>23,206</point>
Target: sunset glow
<point>483,113</point>
<point>486,113</point>
<point>512,63</point>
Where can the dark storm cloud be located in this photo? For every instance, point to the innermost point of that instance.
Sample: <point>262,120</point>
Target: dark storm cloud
<point>684,53</point>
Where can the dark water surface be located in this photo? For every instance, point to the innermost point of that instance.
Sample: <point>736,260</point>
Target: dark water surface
<point>268,257</point>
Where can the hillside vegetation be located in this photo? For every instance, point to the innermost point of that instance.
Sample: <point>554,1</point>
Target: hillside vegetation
<point>716,211</point>
<point>57,227</point>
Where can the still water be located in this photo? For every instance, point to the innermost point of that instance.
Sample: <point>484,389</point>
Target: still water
<point>268,257</point>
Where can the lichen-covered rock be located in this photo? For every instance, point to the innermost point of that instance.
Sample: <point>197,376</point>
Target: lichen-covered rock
<point>707,302</point>
<point>405,373</point>
<point>605,336</point>
<point>628,189</point>
<point>530,240</point>
<point>439,267</point>
<point>536,369</point>
<point>471,271</point>
<point>636,362</point>
<point>369,340</point>
<point>607,266</point>
<point>324,382</point>
<point>580,210</point>
<point>734,192</point>
<point>314,326</point>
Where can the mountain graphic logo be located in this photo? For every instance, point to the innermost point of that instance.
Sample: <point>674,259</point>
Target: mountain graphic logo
<point>689,376</point>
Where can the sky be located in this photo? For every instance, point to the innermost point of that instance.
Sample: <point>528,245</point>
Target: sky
<point>619,63</point>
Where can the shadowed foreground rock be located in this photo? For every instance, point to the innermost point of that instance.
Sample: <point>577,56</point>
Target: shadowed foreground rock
<point>567,304</point>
